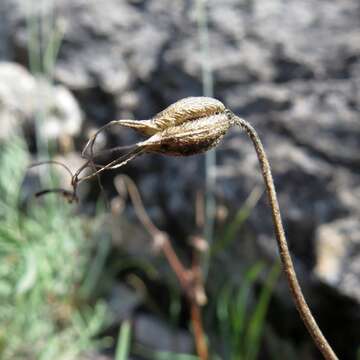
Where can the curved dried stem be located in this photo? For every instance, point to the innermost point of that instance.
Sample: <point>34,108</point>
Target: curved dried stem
<point>160,238</point>
<point>285,257</point>
<point>139,207</point>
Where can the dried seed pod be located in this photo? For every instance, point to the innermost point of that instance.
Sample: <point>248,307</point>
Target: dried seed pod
<point>189,126</point>
<point>192,137</point>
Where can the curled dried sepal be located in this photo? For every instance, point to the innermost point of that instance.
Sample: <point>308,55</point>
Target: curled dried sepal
<point>69,195</point>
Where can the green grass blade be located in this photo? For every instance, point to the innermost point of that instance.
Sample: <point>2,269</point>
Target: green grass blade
<point>240,218</point>
<point>96,268</point>
<point>240,307</point>
<point>231,313</point>
<point>165,355</point>
<point>123,344</point>
<point>257,320</point>
<point>222,312</point>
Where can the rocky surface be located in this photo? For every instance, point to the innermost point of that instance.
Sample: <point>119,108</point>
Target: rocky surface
<point>17,87</point>
<point>152,333</point>
<point>33,103</point>
<point>339,259</point>
<point>291,68</point>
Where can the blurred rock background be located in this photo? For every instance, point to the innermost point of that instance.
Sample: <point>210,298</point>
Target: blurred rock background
<point>291,68</point>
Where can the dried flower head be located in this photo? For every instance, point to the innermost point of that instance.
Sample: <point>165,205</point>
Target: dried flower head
<point>189,126</point>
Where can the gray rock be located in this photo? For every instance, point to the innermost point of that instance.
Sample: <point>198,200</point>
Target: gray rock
<point>157,335</point>
<point>5,51</point>
<point>338,255</point>
<point>17,103</point>
<point>123,302</point>
<point>62,114</point>
<point>26,100</point>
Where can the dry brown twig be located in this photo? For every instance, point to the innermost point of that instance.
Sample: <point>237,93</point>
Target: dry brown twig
<point>194,125</point>
<point>189,279</point>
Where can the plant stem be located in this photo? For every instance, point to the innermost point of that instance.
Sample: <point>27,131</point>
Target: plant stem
<point>190,279</point>
<point>199,335</point>
<point>285,257</point>
<point>210,156</point>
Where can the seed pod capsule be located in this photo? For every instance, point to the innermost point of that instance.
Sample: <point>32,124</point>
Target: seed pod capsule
<point>187,109</point>
<point>190,126</point>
